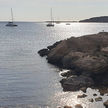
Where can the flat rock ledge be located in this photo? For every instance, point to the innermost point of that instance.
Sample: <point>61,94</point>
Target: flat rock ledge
<point>86,57</point>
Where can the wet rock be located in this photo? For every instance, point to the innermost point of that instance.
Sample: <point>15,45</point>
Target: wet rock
<point>43,52</point>
<point>76,82</point>
<point>56,55</point>
<point>78,106</point>
<point>98,99</point>
<point>67,107</point>
<point>54,45</point>
<point>105,50</point>
<point>68,73</point>
<point>83,89</point>
<point>95,94</point>
<point>82,96</point>
<point>91,100</point>
<point>106,104</point>
<point>102,94</point>
<point>103,90</point>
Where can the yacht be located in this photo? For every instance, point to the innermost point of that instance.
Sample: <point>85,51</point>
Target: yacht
<point>11,23</point>
<point>67,23</point>
<point>51,23</point>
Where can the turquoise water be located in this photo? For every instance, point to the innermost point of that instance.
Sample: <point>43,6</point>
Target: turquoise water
<point>26,79</point>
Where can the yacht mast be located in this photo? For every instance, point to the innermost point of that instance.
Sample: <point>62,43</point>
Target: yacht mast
<point>11,15</point>
<point>51,16</point>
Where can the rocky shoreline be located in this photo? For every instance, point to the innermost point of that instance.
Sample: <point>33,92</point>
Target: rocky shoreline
<point>86,58</point>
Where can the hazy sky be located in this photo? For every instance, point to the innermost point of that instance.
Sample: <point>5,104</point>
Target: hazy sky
<point>37,10</point>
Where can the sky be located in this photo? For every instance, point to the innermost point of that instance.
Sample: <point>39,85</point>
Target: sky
<point>39,10</point>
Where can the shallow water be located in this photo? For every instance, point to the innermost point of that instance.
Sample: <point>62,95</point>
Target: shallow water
<point>26,79</point>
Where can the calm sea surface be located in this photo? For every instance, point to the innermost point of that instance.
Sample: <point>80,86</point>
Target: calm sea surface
<point>26,79</point>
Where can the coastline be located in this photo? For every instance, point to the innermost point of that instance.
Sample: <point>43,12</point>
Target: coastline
<point>85,57</point>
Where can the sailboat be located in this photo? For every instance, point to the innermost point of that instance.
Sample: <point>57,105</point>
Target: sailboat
<point>67,23</point>
<point>11,23</point>
<point>51,23</point>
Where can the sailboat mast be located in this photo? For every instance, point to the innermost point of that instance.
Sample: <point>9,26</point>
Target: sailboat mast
<point>12,14</point>
<point>51,16</point>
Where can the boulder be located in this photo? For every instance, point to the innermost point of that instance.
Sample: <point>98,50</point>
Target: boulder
<point>76,83</point>
<point>103,90</point>
<point>106,104</point>
<point>98,99</point>
<point>82,96</point>
<point>94,94</point>
<point>78,106</point>
<point>105,50</point>
<point>84,89</point>
<point>68,73</point>
<point>91,100</point>
<point>67,107</point>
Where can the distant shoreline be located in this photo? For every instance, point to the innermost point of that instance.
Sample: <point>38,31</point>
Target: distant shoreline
<point>101,19</point>
<point>73,22</point>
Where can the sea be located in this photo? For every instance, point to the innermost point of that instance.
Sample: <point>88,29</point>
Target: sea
<point>26,79</point>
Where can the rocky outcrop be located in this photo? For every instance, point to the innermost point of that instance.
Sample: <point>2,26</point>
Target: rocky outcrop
<point>86,57</point>
<point>76,82</point>
<point>54,45</point>
<point>43,52</point>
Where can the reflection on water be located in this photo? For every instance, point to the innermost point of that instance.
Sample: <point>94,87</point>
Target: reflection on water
<point>70,99</point>
<point>26,79</point>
